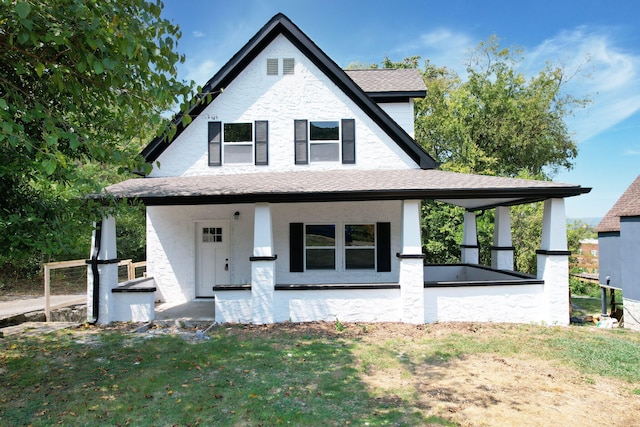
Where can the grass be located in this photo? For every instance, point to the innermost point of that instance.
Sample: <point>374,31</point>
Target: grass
<point>298,375</point>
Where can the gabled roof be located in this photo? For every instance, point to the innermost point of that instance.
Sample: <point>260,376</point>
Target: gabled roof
<point>627,205</point>
<point>470,191</point>
<point>280,24</point>
<point>389,84</point>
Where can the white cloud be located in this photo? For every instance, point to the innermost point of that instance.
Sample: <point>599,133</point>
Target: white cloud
<point>442,47</point>
<point>200,72</point>
<point>601,70</point>
<point>635,151</point>
<point>608,75</point>
<point>197,34</point>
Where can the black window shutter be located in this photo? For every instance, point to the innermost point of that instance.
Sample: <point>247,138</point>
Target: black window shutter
<point>348,141</point>
<point>262,142</point>
<point>383,234</point>
<point>300,141</point>
<point>215,145</point>
<point>296,247</point>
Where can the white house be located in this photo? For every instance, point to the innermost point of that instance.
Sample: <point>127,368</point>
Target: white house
<point>294,193</point>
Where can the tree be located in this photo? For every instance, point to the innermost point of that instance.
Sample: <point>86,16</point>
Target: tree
<point>496,122</point>
<point>80,82</point>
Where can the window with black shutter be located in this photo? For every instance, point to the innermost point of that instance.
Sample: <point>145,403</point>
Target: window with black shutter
<point>215,144</point>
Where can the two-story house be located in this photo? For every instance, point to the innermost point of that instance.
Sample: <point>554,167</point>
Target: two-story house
<point>293,192</point>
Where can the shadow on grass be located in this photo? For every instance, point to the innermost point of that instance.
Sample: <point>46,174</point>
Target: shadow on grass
<point>235,376</point>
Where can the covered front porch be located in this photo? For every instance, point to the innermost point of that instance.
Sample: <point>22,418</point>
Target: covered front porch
<point>263,289</point>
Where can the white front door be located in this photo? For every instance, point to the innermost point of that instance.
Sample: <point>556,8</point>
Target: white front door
<point>212,256</point>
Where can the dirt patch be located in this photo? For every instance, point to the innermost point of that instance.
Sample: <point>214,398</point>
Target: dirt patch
<point>487,390</point>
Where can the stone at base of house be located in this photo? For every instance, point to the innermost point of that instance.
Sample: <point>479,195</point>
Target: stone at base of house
<point>631,314</point>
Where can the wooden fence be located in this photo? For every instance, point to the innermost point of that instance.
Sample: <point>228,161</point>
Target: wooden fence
<point>48,267</point>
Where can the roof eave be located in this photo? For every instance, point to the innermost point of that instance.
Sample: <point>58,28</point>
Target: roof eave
<point>512,196</point>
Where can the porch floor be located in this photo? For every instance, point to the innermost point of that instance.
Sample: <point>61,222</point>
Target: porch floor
<point>189,314</point>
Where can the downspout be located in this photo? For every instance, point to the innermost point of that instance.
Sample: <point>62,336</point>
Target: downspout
<point>96,272</point>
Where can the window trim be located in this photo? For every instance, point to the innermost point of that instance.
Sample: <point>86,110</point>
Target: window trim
<point>347,248</point>
<point>335,246</point>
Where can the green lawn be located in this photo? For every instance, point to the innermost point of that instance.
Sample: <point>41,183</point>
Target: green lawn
<point>282,375</point>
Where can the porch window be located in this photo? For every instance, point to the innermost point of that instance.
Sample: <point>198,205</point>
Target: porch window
<point>324,141</point>
<point>360,246</point>
<point>320,247</point>
<point>237,143</point>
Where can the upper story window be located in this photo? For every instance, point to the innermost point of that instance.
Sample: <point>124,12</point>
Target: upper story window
<point>325,141</point>
<point>238,143</point>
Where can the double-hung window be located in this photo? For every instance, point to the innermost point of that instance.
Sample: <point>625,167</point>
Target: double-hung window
<point>360,246</point>
<point>324,141</point>
<point>320,247</point>
<point>238,143</point>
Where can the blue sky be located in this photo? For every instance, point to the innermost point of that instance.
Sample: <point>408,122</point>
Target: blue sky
<point>600,38</point>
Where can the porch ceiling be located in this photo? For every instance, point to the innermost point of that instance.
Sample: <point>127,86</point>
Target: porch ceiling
<point>469,191</point>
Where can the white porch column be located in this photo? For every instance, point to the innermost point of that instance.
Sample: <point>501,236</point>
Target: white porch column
<point>470,251</point>
<point>553,263</point>
<point>502,249</point>
<point>263,263</point>
<point>103,261</point>
<point>411,264</point>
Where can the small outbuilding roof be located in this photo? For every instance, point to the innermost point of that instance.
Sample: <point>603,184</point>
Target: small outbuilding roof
<point>387,84</point>
<point>470,191</point>
<point>627,205</point>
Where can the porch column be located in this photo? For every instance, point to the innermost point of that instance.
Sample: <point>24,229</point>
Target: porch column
<point>502,249</point>
<point>411,264</point>
<point>263,264</point>
<point>553,263</point>
<point>470,252</point>
<point>102,272</point>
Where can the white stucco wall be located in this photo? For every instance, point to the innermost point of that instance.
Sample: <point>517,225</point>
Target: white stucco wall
<point>344,305</point>
<point>631,313</point>
<point>510,304</point>
<point>171,245</point>
<point>307,94</point>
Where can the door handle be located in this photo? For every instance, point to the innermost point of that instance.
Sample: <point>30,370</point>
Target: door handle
<point>226,265</point>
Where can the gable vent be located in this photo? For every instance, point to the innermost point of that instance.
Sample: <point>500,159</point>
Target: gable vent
<point>288,64</point>
<point>272,66</point>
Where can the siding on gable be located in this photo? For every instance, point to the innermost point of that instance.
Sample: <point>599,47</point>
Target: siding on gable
<point>307,94</point>
<point>402,113</point>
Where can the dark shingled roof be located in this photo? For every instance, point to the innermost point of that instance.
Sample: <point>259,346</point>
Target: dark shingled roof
<point>471,191</point>
<point>381,83</point>
<point>627,205</point>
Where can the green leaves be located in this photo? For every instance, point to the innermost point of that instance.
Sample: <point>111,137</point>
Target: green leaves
<point>23,9</point>
<point>87,84</point>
